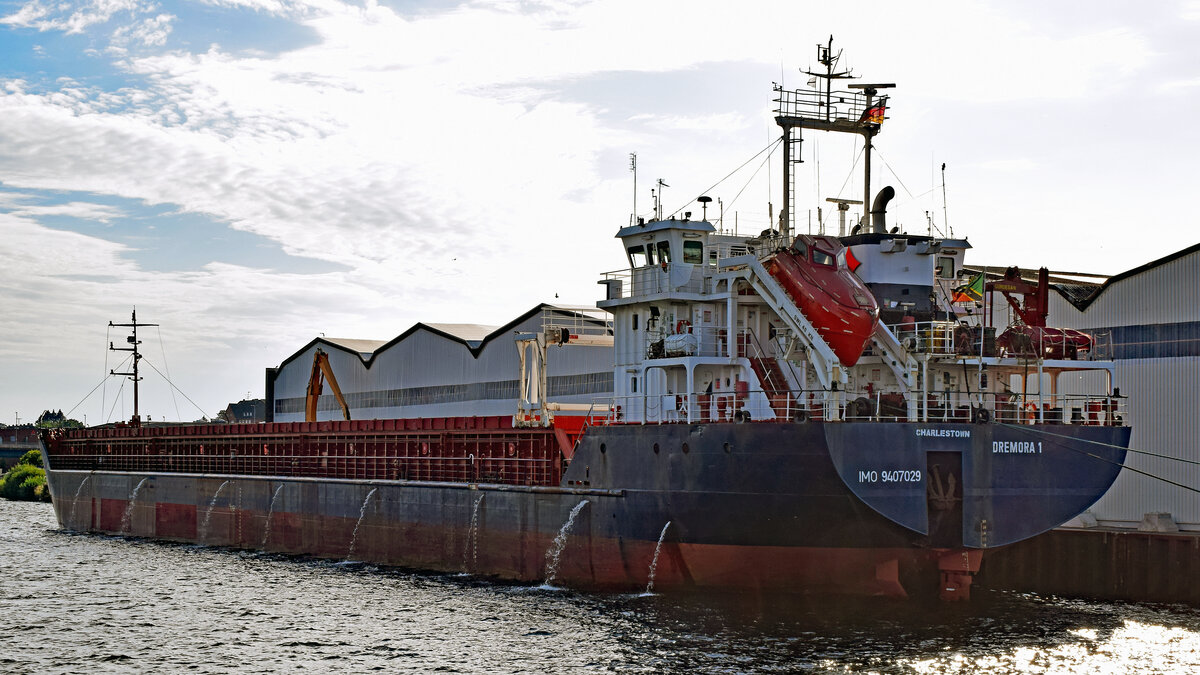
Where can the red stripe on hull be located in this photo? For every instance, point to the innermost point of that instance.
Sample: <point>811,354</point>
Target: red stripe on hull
<point>587,562</point>
<point>175,521</point>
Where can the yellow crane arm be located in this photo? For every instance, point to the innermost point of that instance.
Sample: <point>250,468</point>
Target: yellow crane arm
<point>321,367</point>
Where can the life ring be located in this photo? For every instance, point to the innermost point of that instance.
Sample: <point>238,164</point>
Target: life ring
<point>683,326</point>
<point>1030,413</point>
<point>664,265</point>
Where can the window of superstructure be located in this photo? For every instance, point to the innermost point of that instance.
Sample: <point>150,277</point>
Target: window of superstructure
<point>633,384</point>
<point>635,321</point>
<point>664,251</point>
<point>637,256</point>
<point>693,252</point>
<point>945,268</point>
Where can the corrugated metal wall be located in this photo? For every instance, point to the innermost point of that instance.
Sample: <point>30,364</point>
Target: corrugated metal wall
<point>1154,322</point>
<point>429,375</point>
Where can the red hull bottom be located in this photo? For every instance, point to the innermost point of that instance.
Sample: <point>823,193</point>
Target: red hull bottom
<point>586,562</point>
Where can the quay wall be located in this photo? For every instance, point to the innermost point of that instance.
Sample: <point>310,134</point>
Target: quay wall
<point>1102,564</point>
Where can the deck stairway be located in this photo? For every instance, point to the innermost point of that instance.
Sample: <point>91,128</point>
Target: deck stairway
<point>769,373</point>
<point>901,362</point>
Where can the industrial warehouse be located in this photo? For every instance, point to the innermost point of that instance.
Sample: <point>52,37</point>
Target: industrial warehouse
<point>449,370</point>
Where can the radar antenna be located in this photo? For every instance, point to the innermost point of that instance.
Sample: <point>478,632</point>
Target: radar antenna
<point>854,111</point>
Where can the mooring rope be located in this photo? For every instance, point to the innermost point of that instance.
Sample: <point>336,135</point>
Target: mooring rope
<point>1105,459</point>
<point>1107,445</point>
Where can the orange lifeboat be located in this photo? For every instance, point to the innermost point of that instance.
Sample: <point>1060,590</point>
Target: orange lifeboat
<point>813,271</point>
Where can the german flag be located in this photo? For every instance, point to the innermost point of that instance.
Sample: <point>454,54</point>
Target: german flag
<point>874,114</point>
<point>972,292</point>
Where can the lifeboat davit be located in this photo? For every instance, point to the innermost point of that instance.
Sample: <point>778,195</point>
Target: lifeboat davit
<point>814,273</point>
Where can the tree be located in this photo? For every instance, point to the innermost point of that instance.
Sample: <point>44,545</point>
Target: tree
<point>57,420</point>
<point>27,480</point>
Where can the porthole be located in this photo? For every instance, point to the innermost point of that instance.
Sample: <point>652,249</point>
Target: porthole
<point>603,448</point>
<point>728,448</point>
<point>685,448</point>
<point>656,448</point>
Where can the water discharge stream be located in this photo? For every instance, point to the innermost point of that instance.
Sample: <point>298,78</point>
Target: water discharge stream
<point>75,505</point>
<point>127,517</point>
<point>362,513</point>
<point>554,555</point>
<point>208,514</point>
<point>270,513</point>
<point>654,562</point>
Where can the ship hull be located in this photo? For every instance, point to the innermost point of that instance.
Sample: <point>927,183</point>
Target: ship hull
<point>430,527</point>
<point>772,506</point>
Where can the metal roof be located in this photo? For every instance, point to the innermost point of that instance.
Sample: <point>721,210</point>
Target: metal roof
<point>472,335</point>
<point>467,332</point>
<point>365,348</point>
<point>668,224</point>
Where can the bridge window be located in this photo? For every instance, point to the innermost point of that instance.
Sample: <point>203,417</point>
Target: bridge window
<point>640,256</point>
<point>945,268</point>
<point>664,251</point>
<point>822,258</point>
<point>693,252</point>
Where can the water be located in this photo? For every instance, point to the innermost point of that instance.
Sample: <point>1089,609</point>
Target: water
<point>560,542</point>
<point>75,502</point>
<point>654,562</point>
<point>472,545</point>
<point>270,512</point>
<point>127,517</point>
<point>362,513</point>
<point>87,603</point>
<point>208,513</point>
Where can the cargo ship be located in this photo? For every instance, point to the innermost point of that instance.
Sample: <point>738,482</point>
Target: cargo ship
<point>784,412</point>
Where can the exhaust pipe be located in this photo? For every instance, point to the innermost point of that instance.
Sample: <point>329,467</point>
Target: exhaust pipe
<point>879,209</point>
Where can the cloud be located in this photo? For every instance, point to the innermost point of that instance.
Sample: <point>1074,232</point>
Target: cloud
<point>71,20</point>
<point>102,213</point>
<point>149,32</point>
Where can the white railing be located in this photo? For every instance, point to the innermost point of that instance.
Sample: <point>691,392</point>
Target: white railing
<point>962,338</point>
<point>862,406</point>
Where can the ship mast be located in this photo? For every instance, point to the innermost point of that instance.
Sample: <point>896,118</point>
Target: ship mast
<point>826,109</point>
<point>136,420</point>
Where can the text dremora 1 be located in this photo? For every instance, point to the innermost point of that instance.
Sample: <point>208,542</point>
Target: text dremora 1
<point>1017,447</point>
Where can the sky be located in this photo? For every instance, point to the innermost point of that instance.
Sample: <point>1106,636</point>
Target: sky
<point>251,174</point>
